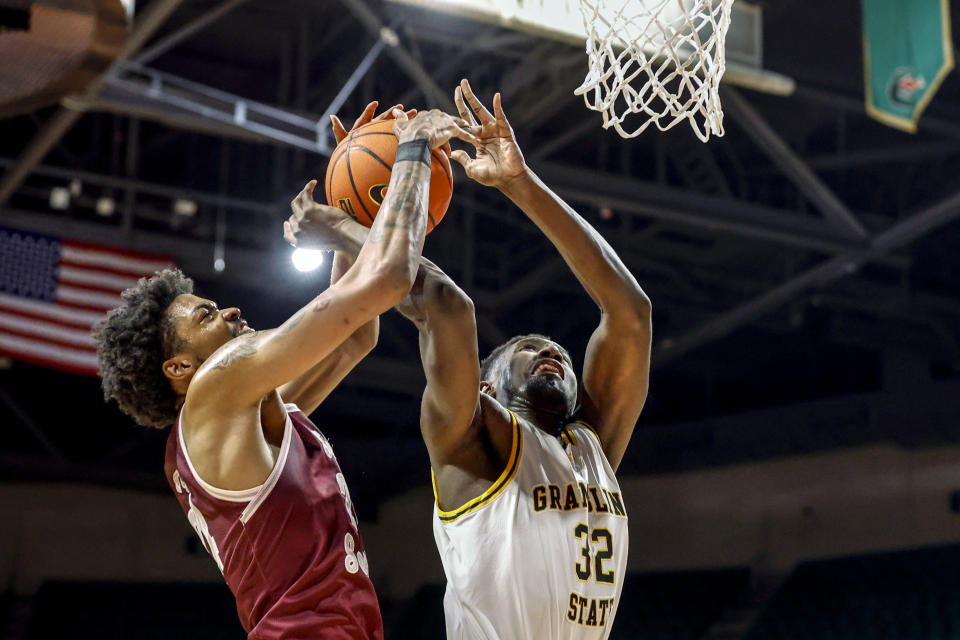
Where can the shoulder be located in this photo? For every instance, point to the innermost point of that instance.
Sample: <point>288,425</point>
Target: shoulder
<point>497,426</point>
<point>207,407</point>
<point>493,416</point>
<point>243,346</point>
<point>210,385</point>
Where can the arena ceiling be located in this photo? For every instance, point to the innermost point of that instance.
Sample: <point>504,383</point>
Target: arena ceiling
<point>809,253</point>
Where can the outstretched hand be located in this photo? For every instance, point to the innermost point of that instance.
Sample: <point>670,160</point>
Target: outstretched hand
<point>435,126</point>
<point>498,158</point>
<point>402,117</point>
<point>340,132</point>
<point>312,225</point>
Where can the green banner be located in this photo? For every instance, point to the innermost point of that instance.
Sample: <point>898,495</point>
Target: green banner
<point>907,52</point>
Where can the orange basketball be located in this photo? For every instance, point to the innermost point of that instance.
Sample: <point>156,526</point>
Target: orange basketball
<point>359,172</point>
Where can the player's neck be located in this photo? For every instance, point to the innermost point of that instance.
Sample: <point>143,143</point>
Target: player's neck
<point>546,420</point>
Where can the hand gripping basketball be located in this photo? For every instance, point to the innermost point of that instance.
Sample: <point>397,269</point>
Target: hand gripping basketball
<point>433,125</point>
<point>340,132</point>
<point>360,167</point>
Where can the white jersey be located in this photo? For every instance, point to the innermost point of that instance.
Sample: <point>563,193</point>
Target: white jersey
<point>541,555</point>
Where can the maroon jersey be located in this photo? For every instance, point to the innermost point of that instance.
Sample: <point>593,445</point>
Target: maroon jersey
<point>289,549</point>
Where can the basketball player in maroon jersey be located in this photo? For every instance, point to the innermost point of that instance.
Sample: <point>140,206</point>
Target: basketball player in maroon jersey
<point>257,480</point>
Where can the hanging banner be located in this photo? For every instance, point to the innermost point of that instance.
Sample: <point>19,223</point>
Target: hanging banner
<point>907,52</point>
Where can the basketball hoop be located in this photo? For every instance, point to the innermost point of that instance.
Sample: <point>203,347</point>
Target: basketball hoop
<point>658,60</point>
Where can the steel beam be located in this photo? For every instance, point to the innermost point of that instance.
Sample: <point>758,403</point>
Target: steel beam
<point>522,289</point>
<point>350,85</point>
<point>646,199</point>
<point>621,193</point>
<point>410,65</point>
<point>559,142</point>
<point>854,104</point>
<point>899,234</point>
<point>918,152</point>
<point>64,119</point>
<point>147,24</point>
<point>49,135</point>
<point>454,63</point>
<point>768,141</point>
<point>186,31</point>
<point>152,86</point>
<point>151,188</point>
<point>493,41</point>
<point>120,102</point>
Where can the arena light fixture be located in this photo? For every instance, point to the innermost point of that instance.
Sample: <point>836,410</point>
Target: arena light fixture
<point>105,206</point>
<point>307,259</point>
<point>184,207</point>
<point>60,198</point>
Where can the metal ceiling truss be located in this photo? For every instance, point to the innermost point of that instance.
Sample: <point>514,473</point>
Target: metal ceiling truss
<point>65,117</point>
<point>823,274</point>
<point>142,92</point>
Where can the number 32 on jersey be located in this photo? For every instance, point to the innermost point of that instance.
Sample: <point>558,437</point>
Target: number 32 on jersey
<point>597,549</point>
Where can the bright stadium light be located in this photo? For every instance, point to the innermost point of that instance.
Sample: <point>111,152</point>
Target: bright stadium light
<point>184,207</point>
<point>307,259</point>
<point>60,198</point>
<point>105,206</point>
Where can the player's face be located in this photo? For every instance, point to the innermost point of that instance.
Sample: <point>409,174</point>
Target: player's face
<point>203,326</point>
<point>540,371</point>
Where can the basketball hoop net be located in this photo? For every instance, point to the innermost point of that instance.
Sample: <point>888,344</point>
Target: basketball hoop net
<point>660,60</point>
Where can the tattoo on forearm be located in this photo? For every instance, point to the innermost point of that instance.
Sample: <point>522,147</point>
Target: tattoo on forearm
<point>321,302</point>
<point>247,346</point>
<point>406,200</point>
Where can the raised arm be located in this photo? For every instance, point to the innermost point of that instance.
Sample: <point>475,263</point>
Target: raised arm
<point>311,388</point>
<point>617,361</point>
<point>246,368</point>
<point>443,315</point>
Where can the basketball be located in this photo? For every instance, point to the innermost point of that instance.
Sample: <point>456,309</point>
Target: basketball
<point>359,172</point>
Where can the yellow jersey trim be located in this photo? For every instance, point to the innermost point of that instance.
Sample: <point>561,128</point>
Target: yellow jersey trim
<point>584,423</point>
<point>513,463</point>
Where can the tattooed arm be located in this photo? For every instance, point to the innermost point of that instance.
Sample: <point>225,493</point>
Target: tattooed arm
<point>244,370</point>
<point>308,390</point>
<point>444,317</point>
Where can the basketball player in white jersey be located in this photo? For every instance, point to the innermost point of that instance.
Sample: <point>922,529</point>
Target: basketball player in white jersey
<point>529,520</point>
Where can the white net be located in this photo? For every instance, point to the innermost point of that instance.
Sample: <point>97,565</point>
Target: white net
<point>655,62</point>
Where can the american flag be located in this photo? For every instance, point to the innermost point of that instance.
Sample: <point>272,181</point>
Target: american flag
<point>52,292</point>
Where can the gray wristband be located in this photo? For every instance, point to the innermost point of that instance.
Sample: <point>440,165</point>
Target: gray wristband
<point>416,150</point>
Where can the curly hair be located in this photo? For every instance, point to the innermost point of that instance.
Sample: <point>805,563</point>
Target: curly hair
<point>132,344</point>
<point>488,364</point>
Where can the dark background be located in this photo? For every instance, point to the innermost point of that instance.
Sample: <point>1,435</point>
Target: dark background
<point>760,350</point>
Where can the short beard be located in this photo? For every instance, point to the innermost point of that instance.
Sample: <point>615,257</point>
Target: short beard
<point>545,396</point>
